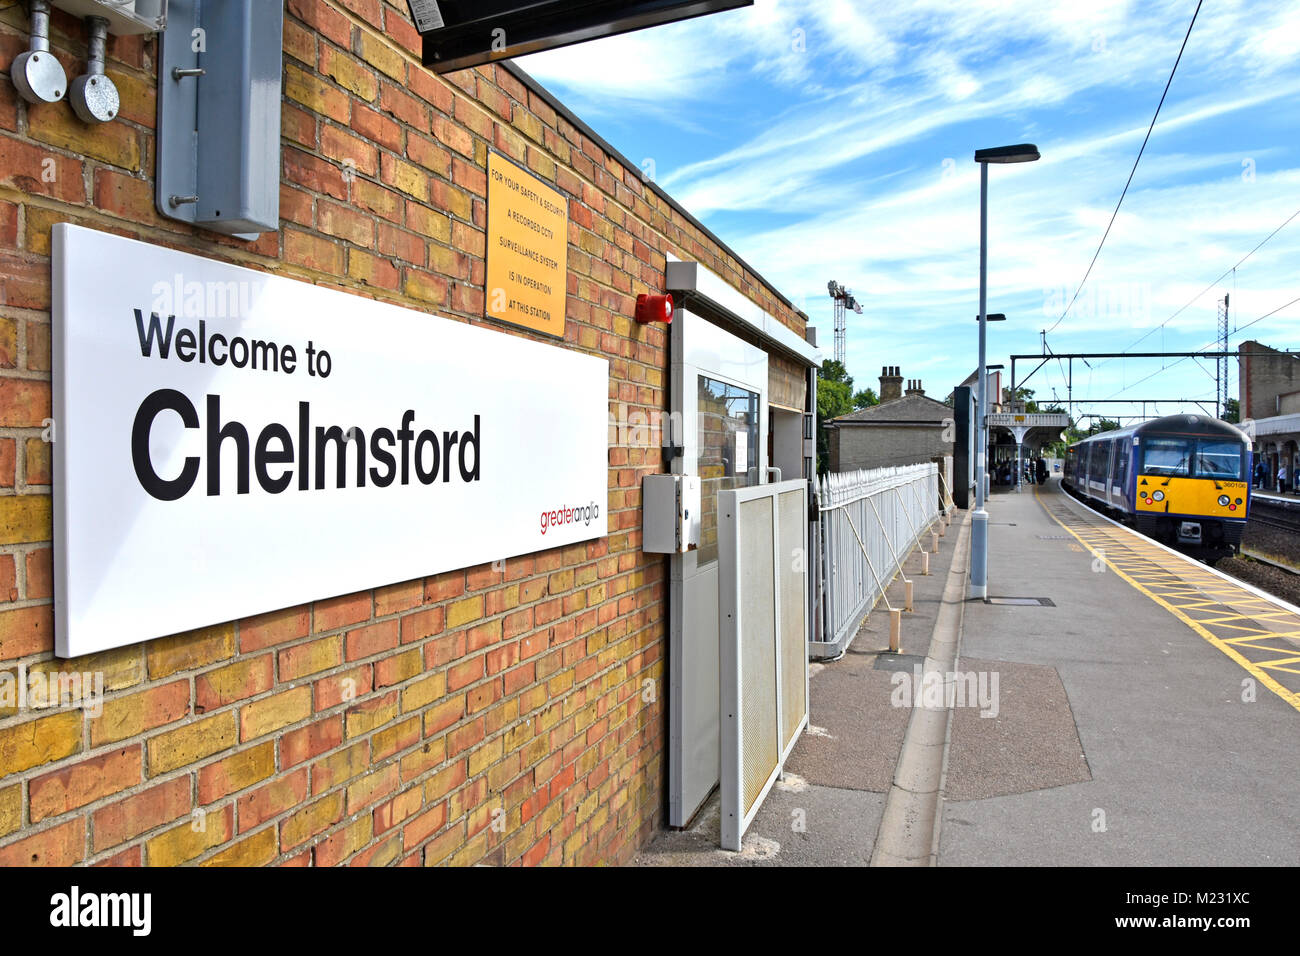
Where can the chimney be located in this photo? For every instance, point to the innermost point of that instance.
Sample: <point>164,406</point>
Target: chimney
<point>891,383</point>
<point>914,387</point>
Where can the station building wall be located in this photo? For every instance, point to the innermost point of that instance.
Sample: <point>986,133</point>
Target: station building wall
<point>512,716</point>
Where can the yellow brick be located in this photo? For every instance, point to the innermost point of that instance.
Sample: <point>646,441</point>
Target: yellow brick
<point>362,720</point>
<point>311,820</point>
<point>249,766</point>
<point>270,714</point>
<point>338,767</point>
<point>485,756</point>
<point>315,94</point>
<point>462,612</point>
<point>37,742</point>
<point>424,692</point>
<point>185,745</point>
<point>386,741</point>
<point>182,652</point>
<point>183,843</point>
<point>25,518</point>
<point>117,144</point>
<point>344,70</point>
<point>11,809</point>
<point>381,55</point>
<point>258,850</point>
<point>401,668</point>
<point>410,179</point>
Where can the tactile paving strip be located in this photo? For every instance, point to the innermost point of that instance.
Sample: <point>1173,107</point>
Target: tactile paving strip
<point>1255,632</point>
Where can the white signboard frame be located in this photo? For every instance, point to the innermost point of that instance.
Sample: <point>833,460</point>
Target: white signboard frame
<point>179,500</point>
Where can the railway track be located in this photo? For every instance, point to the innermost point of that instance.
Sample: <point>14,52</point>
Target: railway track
<point>1274,517</point>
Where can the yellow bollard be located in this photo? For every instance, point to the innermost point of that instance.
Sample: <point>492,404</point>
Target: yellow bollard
<point>895,627</point>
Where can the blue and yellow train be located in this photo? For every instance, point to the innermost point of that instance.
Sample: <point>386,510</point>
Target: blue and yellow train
<point>1183,479</point>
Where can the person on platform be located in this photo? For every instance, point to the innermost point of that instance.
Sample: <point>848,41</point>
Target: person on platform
<point>1261,473</point>
<point>1283,478</point>
<point>1040,471</point>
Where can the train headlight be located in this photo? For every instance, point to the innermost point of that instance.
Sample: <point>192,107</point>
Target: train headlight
<point>1159,496</point>
<point>1224,501</point>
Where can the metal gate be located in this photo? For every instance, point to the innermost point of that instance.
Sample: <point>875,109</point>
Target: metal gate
<point>762,624</point>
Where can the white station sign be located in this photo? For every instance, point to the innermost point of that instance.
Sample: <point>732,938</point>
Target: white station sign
<point>230,442</point>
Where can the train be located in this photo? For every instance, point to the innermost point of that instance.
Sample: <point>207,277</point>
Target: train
<point>1183,480</point>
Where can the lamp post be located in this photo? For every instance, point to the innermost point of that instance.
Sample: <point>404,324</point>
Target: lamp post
<point>979,538</point>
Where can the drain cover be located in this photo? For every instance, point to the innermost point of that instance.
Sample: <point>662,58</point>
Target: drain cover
<point>899,662</point>
<point>1053,537</point>
<point>1022,601</point>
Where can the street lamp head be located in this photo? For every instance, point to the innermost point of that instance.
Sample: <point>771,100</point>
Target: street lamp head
<point>993,317</point>
<point>1020,153</point>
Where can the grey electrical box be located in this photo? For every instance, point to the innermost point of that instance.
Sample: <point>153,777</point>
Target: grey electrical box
<point>219,115</point>
<point>670,513</point>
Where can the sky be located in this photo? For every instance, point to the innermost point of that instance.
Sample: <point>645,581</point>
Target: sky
<point>833,139</point>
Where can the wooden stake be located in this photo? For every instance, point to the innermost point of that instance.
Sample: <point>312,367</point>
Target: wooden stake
<point>925,563</point>
<point>895,628</point>
<point>907,586</point>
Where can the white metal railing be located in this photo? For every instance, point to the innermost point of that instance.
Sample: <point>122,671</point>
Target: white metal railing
<point>869,523</point>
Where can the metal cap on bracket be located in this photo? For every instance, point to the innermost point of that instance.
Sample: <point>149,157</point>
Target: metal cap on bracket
<point>37,73</point>
<point>93,95</point>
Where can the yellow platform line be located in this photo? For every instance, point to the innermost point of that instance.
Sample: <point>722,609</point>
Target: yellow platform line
<point>1255,670</point>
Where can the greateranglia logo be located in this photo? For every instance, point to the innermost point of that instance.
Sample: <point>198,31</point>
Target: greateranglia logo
<point>75,909</point>
<point>582,514</point>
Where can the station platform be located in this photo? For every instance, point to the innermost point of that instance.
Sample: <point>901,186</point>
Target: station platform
<point>1149,708</point>
<point>1123,705</point>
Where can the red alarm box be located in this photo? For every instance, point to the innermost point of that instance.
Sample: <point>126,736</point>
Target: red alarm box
<point>654,308</point>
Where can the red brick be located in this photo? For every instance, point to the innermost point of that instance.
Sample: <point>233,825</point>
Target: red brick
<point>62,845</point>
<point>277,627</point>
<point>334,690</point>
<point>342,611</point>
<point>127,819</point>
<point>8,578</point>
<point>267,802</point>
<point>40,574</point>
<point>83,783</point>
<point>28,630</point>
<point>314,174</point>
<point>23,403</point>
<point>311,741</point>
<point>373,639</point>
<point>422,624</point>
<point>40,171</point>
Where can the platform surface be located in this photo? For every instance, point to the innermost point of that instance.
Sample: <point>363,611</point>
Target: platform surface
<point>1184,690</point>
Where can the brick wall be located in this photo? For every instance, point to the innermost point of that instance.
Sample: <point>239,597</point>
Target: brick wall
<point>854,447</point>
<point>1264,375</point>
<point>478,715</point>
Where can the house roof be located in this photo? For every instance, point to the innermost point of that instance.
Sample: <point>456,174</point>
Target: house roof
<point>910,410</point>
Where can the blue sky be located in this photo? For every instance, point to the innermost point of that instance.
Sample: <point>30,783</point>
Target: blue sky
<point>831,139</point>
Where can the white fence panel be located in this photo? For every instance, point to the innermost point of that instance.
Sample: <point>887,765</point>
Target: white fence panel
<point>869,523</point>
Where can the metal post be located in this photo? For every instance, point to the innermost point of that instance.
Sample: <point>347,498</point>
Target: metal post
<point>979,542</point>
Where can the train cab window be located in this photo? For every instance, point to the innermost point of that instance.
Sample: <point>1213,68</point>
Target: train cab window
<point>1219,459</point>
<point>1166,456</point>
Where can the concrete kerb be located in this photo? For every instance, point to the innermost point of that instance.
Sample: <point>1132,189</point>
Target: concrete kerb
<point>909,828</point>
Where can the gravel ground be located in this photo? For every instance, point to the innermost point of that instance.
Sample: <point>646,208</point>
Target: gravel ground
<point>1281,583</point>
<point>1272,543</point>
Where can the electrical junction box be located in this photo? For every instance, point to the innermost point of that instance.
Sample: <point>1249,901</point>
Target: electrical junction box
<point>670,514</point>
<point>219,115</point>
<point>125,17</point>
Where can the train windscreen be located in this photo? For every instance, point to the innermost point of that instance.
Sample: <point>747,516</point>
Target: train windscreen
<point>1219,459</point>
<point>1167,456</point>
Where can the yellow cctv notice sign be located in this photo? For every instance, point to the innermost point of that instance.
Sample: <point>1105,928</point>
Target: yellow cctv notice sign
<point>527,249</point>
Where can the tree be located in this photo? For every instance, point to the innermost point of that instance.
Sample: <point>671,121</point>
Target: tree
<point>1232,411</point>
<point>865,398</point>
<point>1026,395</point>
<point>834,398</point>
